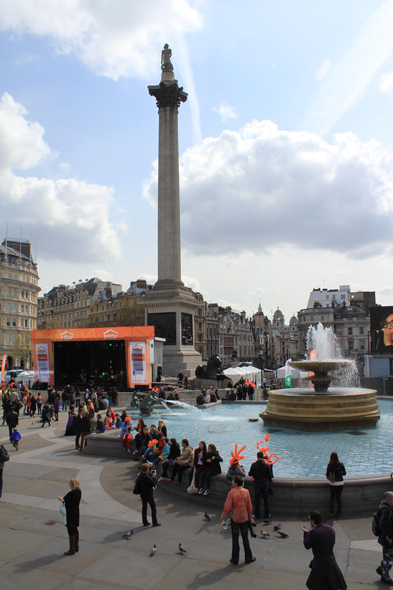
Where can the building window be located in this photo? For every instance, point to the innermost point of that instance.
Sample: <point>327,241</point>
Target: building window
<point>14,322</point>
<point>361,330</point>
<point>350,332</point>
<point>8,321</point>
<point>338,331</point>
<point>350,344</point>
<point>8,338</point>
<point>342,296</point>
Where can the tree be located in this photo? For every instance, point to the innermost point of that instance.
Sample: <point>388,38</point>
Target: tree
<point>22,348</point>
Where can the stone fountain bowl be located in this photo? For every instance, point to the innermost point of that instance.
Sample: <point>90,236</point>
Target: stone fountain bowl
<point>319,367</point>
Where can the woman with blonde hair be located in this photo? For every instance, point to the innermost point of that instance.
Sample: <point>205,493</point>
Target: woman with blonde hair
<point>71,502</point>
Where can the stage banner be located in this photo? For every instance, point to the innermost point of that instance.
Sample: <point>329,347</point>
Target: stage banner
<point>43,368</point>
<point>138,362</point>
<point>3,362</point>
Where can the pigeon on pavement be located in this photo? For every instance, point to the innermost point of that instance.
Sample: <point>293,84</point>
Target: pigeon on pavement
<point>153,550</point>
<point>181,549</point>
<point>264,535</point>
<point>277,527</point>
<point>282,535</point>
<point>207,517</point>
<point>128,535</point>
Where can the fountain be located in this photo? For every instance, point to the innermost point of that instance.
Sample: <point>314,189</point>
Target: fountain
<point>145,403</point>
<point>323,407</point>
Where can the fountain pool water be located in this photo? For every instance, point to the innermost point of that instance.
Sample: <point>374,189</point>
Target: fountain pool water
<point>302,454</point>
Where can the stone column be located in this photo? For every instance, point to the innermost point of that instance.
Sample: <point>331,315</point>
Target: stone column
<point>168,96</point>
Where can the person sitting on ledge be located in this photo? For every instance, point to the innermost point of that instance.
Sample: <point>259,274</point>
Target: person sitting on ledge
<point>213,398</point>
<point>174,453</point>
<point>144,441</point>
<point>185,461</point>
<point>100,426</point>
<point>157,457</point>
<point>212,467</point>
<point>152,450</point>
<point>126,433</point>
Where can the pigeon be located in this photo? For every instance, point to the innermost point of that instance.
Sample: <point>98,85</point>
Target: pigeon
<point>153,550</point>
<point>264,535</point>
<point>282,535</point>
<point>267,521</point>
<point>207,517</point>
<point>128,535</point>
<point>277,527</point>
<point>181,549</point>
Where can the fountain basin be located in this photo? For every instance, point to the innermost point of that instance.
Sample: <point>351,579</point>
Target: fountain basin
<point>337,409</point>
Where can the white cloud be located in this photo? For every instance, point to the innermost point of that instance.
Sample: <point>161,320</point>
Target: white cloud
<point>350,77</point>
<point>69,216</point>
<point>323,69</point>
<point>114,38</point>
<point>261,188</point>
<point>226,111</point>
<point>386,85</point>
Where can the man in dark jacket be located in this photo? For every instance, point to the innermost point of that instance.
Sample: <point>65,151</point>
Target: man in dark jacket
<point>261,472</point>
<point>145,485</point>
<point>385,524</point>
<point>325,572</point>
<point>12,420</point>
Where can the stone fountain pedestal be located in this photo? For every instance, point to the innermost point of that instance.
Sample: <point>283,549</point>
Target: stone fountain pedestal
<point>324,407</point>
<point>322,411</point>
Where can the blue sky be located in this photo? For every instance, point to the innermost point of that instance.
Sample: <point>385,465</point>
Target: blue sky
<point>285,142</point>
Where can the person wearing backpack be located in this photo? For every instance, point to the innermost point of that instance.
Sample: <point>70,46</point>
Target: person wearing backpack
<point>383,518</point>
<point>334,473</point>
<point>4,456</point>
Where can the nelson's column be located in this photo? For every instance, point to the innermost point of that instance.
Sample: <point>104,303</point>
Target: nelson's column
<point>170,306</point>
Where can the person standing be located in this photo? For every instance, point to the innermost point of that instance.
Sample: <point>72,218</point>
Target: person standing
<point>385,526</point>
<point>4,456</point>
<point>325,572</point>
<point>72,501</point>
<point>12,420</point>
<point>262,474</point>
<point>238,503</point>
<point>85,429</point>
<point>145,484</point>
<point>335,472</point>
<point>180,378</point>
<point>78,427</point>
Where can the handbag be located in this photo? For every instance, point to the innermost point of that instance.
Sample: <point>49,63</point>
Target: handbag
<point>191,488</point>
<point>4,456</point>
<point>63,513</point>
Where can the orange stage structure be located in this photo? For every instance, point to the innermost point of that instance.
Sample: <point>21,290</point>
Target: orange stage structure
<point>61,354</point>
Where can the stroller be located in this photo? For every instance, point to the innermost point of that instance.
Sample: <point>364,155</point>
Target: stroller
<point>15,438</point>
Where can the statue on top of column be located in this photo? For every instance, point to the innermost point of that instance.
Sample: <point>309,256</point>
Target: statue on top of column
<point>166,55</point>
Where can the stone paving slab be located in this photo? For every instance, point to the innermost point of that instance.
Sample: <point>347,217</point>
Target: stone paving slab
<point>17,577</point>
<point>141,571</point>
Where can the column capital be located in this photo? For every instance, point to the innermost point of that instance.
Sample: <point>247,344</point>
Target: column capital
<point>168,94</point>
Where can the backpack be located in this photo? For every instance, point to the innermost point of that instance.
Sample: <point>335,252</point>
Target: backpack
<point>4,456</point>
<point>375,522</point>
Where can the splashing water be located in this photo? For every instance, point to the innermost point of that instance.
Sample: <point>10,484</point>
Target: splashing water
<point>328,348</point>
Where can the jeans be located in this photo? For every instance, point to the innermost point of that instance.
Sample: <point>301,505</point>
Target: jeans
<point>198,471</point>
<point>261,490</point>
<point>148,499</point>
<point>179,469</point>
<point>206,476</point>
<point>64,405</point>
<point>242,528</point>
<point>335,494</point>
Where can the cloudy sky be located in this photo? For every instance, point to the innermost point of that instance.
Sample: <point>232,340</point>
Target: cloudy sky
<point>286,143</point>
